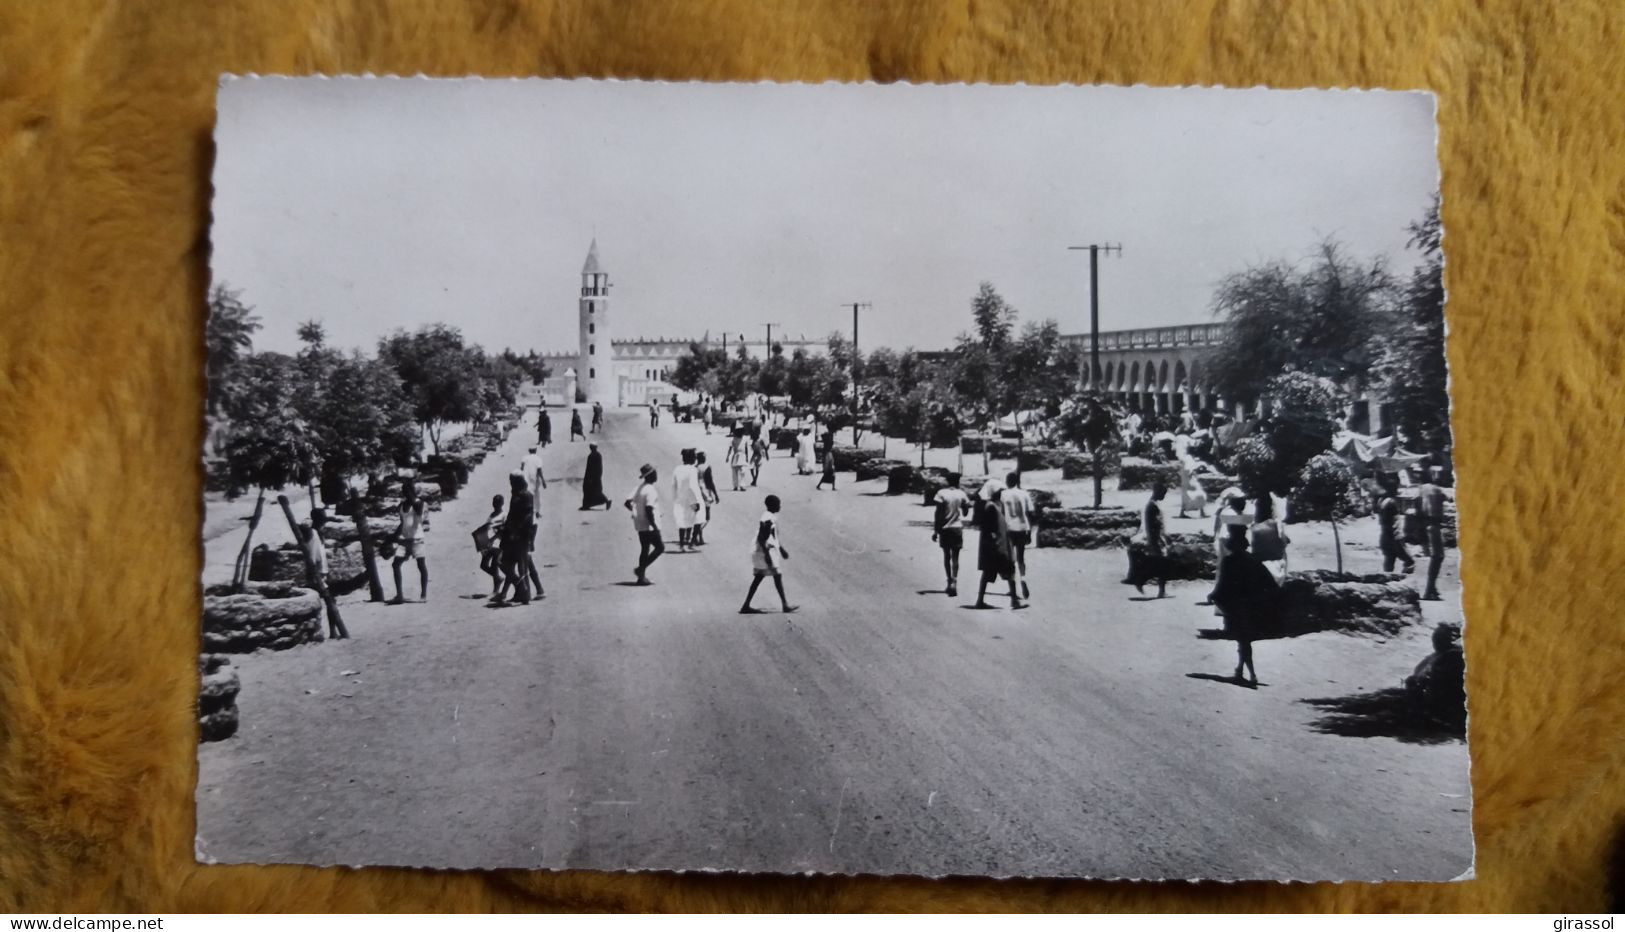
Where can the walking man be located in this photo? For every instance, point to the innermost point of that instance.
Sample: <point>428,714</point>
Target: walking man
<point>645,507</point>
<point>575,425</point>
<point>1431,500</point>
<point>767,559</point>
<point>708,489</point>
<point>654,414</point>
<point>518,533</point>
<point>531,468</point>
<point>948,528</point>
<point>736,459</point>
<point>597,417</point>
<point>758,454</point>
<point>410,535</point>
<point>485,544</point>
<point>1146,552</point>
<point>993,544</point>
<point>1017,506</point>
<point>1388,538</point>
<point>686,499</point>
<point>829,468</point>
<point>544,427</point>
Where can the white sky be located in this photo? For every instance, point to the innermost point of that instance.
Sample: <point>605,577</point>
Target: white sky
<point>376,204</point>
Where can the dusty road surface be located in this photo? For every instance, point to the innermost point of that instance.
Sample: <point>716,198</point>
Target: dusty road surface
<point>885,728</point>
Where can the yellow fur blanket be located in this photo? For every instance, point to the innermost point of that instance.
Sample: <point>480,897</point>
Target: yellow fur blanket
<point>106,110</point>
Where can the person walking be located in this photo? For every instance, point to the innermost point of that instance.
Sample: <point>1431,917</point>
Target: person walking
<point>1191,494</point>
<point>411,535</point>
<point>485,544</point>
<point>575,425</point>
<point>829,468</point>
<point>948,528</point>
<point>531,468</point>
<point>1249,599</point>
<point>592,481</point>
<point>1231,513</point>
<point>736,459</point>
<point>1017,507</point>
<point>1430,500</point>
<point>1268,540</point>
<point>1388,539</point>
<point>1147,556</point>
<point>597,416</point>
<point>517,537</point>
<point>705,417</point>
<point>686,499</point>
<point>544,427</point>
<point>645,507</point>
<point>993,544</point>
<point>804,452</point>
<point>708,492</point>
<point>767,558</point>
<point>654,413</point>
<point>758,455</point>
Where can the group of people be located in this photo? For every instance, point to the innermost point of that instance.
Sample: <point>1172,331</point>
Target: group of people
<point>544,424</point>
<point>1003,515</point>
<point>1252,551</point>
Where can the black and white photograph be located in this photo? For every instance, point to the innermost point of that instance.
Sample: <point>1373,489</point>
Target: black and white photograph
<point>1003,481</point>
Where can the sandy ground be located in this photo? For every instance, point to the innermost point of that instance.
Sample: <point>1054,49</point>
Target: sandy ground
<point>883,729</point>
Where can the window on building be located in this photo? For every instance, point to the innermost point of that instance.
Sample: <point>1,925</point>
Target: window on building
<point>592,373</point>
<point>592,328</point>
<point>592,349</point>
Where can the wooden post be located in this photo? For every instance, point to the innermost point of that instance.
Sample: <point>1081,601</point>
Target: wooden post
<point>375,586</point>
<point>239,574</point>
<point>335,622</point>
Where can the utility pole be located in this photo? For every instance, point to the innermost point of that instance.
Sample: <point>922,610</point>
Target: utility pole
<point>855,305</point>
<point>1095,249</point>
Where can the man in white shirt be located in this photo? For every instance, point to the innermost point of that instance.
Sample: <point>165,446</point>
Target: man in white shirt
<point>1017,505</point>
<point>687,499</point>
<point>645,507</point>
<point>531,466</point>
<point>948,528</point>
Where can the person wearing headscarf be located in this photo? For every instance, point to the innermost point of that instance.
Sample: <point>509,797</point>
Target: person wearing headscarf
<point>592,481</point>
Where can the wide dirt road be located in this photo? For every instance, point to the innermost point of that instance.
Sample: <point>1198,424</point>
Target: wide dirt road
<point>883,729</point>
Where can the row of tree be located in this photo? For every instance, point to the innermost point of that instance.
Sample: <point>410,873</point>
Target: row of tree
<point>325,415</point>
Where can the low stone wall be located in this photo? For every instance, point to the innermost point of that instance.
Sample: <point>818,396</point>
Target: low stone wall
<point>346,570</point>
<point>782,438</point>
<point>217,698</point>
<point>1137,473</point>
<point>1087,528</point>
<point>1034,458</point>
<point>1080,466</point>
<point>269,616</point>
<point>998,448</point>
<point>877,468</point>
<point>1324,600</point>
<point>1376,604</point>
<point>847,458</point>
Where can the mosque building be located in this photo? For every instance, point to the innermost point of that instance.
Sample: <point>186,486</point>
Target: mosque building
<point>623,373</point>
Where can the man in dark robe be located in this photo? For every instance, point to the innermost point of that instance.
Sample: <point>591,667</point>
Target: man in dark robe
<point>592,481</point>
<point>517,535</point>
<point>544,428</point>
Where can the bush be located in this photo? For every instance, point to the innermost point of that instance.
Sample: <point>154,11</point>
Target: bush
<point>1080,466</point>
<point>1032,458</point>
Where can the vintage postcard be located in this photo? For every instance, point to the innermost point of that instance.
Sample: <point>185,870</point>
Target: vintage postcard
<point>927,480</point>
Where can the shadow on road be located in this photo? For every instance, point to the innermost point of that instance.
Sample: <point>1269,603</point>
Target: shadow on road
<point>1228,680</point>
<point>1386,713</point>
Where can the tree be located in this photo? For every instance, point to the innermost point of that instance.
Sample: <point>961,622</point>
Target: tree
<point>1326,491</point>
<point>1413,365</point>
<point>313,334</point>
<point>1301,423</point>
<point>440,376</point>
<point>229,335</point>
<point>995,319</point>
<point>1092,422</point>
<point>1324,320</point>
<point>770,379</point>
<point>691,367</point>
<point>1031,380</point>
<point>269,445</point>
<point>355,416</point>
